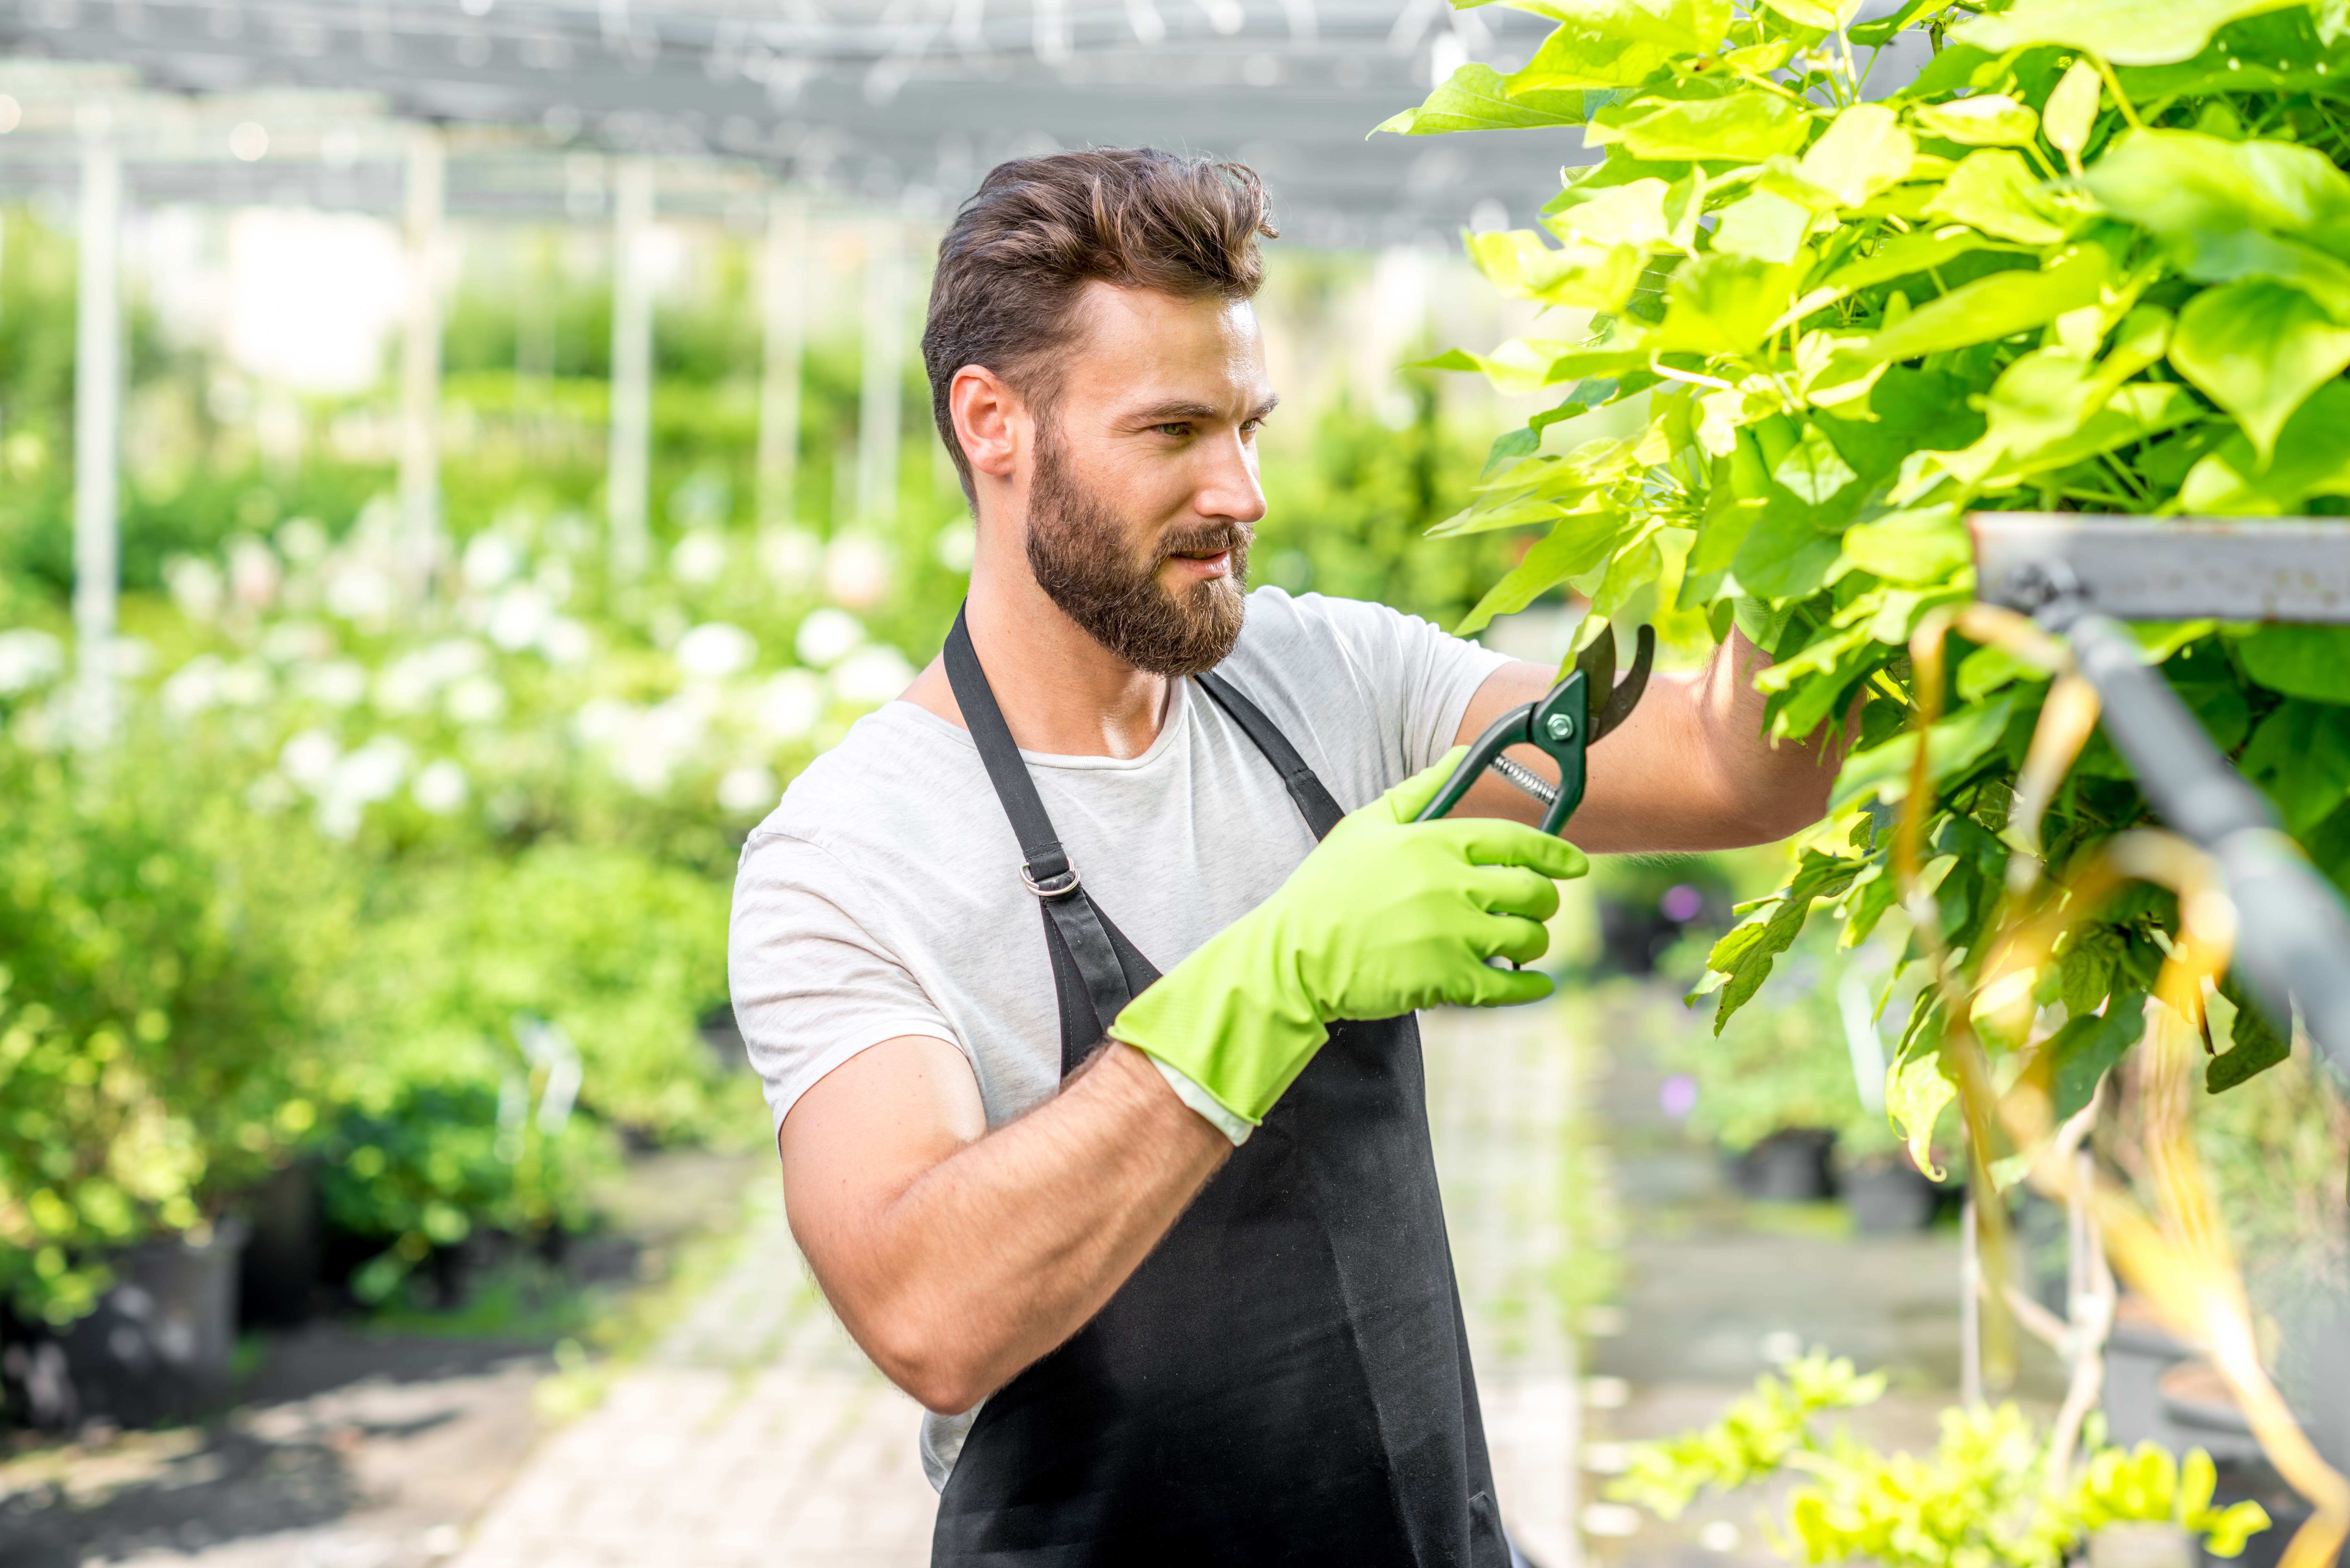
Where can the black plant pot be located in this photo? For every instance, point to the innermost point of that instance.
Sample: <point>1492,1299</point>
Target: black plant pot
<point>158,1346</point>
<point>1791,1166</point>
<point>278,1275</point>
<point>1888,1195</point>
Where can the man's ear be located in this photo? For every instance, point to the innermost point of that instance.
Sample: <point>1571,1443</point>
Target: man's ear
<point>989,417</point>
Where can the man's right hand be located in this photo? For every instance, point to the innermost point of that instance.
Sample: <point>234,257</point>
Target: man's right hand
<point>1384,916</point>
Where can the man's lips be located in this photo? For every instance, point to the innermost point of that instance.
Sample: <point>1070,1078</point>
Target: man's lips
<point>1204,564</point>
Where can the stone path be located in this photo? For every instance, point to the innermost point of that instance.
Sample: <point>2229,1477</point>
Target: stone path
<point>755,1435</point>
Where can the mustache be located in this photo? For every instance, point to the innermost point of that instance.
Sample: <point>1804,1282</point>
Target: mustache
<point>1206,539</point>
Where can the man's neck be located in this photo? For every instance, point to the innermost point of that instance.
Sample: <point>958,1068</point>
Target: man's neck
<point>1062,693</point>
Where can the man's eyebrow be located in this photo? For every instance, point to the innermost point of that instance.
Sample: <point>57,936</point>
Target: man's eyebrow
<point>1168,413</point>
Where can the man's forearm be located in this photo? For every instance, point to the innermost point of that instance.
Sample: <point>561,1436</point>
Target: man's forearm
<point>1000,1251</point>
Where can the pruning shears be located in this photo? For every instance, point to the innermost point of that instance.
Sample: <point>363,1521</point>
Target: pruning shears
<point>1561,724</point>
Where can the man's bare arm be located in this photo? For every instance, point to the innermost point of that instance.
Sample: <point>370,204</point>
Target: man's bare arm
<point>1688,770</point>
<point>957,1256</point>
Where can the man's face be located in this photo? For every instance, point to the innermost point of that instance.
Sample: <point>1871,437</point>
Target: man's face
<point>1145,491</point>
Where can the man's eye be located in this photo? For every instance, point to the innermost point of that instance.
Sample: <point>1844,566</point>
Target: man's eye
<point>1174,429</point>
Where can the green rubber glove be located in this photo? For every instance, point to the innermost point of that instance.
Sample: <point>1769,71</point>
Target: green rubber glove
<point>1387,915</point>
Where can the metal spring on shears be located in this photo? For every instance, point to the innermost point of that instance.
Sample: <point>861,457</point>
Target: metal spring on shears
<point>1527,779</point>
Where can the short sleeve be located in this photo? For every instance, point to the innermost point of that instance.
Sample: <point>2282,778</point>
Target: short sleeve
<point>1421,676</point>
<point>811,986</point>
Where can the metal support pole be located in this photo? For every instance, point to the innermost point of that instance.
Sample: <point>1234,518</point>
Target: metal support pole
<point>97,431</point>
<point>628,464</point>
<point>782,287</point>
<point>884,370</point>
<point>420,358</point>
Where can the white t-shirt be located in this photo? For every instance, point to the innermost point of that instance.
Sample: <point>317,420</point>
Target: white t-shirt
<point>883,897</point>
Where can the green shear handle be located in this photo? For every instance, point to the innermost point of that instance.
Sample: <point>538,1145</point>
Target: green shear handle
<point>1562,725</point>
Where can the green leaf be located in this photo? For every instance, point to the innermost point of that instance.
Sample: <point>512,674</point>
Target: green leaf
<point>1863,151</point>
<point>1880,32</point>
<point>1580,276</point>
<point>1903,255</point>
<point>2088,1046</point>
<point>1620,43</point>
<point>2200,190</point>
<point>1999,305</point>
<point>1916,1092</point>
<point>1813,468</point>
<point>1746,952</point>
<point>2258,350</point>
<point>1632,213</point>
<point>2071,111</point>
<point>2300,752</point>
<point>2124,31</point>
<point>1954,744</point>
<point>2310,661</point>
<point>1723,304</point>
<point>1817,14</point>
<point>2311,459</point>
<point>1574,547</point>
<point>1990,119</point>
<point>1742,126</point>
<point>1918,544</point>
<point>1530,365</point>
<point>1763,225</point>
<point>1995,191</point>
<point>2258,1045</point>
<point>1475,98</point>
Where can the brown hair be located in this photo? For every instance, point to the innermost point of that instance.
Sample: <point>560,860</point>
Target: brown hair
<point>1039,229</point>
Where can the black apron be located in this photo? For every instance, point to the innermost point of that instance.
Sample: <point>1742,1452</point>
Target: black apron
<point>1285,1378</point>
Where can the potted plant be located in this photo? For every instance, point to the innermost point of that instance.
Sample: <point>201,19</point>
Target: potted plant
<point>159,998</point>
<point>1991,1493</point>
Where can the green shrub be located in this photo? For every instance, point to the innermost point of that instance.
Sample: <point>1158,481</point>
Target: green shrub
<point>2093,257</point>
<point>164,965</point>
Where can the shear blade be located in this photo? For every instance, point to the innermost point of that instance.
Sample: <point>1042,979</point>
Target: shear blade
<point>1624,696</point>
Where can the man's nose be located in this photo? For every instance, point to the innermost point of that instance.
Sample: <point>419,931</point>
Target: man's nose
<point>1228,486</point>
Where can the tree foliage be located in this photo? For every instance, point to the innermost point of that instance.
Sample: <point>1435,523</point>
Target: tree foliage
<point>2095,256</point>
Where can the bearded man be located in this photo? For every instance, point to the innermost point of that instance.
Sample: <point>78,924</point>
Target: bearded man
<point>1096,1077</point>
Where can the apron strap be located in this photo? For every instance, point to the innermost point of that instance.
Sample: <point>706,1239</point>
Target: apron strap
<point>1321,812</point>
<point>1069,911</point>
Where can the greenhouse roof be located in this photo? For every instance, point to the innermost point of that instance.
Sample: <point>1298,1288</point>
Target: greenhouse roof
<point>881,100</point>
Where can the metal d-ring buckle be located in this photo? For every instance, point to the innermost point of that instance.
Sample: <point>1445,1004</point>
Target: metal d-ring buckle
<point>1059,886</point>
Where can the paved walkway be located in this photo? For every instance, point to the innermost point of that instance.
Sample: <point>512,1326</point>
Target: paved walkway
<point>756,1436</point>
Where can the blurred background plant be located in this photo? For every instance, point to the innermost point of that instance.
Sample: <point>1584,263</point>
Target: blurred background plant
<point>414,892</point>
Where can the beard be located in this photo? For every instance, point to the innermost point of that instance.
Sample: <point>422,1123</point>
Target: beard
<point>1076,548</point>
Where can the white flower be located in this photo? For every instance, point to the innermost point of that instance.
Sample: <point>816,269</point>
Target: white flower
<point>297,642</point>
<point>566,641</point>
<point>29,659</point>
<point>244,684</point>
<point>827,636</point>
<point>792,557</point>
<point>475,699</point>
<point>253,572</point>
<point>372,773</point>
<point>792,702</point>
<point>338,683</point>
<point>360,593</point>
<point>439,787</point>
<point>700,559</point>
<point>519,618</point>
<point>197,586</point>
<point>872,676</point>
<point>490,560</point>
<point>603,719</point>
<point>714,650</point>
<point>745,790</point>
<point>194,686</point>
<point>406,685</point>
<point>309,758</point>
<point>856,569</point>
